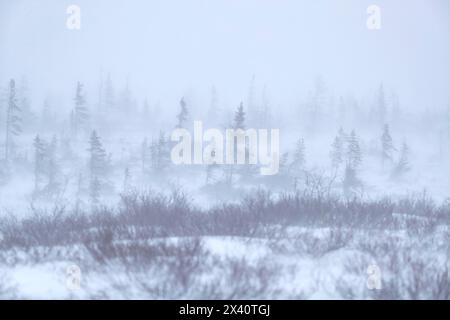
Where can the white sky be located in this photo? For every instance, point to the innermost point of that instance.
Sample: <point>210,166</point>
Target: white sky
<point>169,47</point>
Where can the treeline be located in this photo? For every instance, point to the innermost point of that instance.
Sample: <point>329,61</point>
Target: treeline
<point>75,154</point>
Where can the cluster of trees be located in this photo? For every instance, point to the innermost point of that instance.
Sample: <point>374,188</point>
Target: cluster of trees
<point>55,160</point>
<point>346,152</point>
<point>47,173</point>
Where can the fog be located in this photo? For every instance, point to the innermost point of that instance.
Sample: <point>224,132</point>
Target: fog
<point>170,48</point>
<point>226,149</point>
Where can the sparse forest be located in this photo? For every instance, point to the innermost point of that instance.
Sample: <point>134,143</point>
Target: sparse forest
<point>98,180</point>
<point>123,127</point>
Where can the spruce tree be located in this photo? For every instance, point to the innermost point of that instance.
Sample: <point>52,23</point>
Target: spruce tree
<point>387,146</point>
<point>160,153</point>
<point>182,115</point>
<point>98,165</point>
<point>264,112</point>
<point>354,157</point>
<point>47,116</point>
<point>402,165</point>
<point>53,169</point>
<point>98,160</point>
<point>163,151</point>
<point>246,171</point>
<point>337,152</point>
<point>27,116</point>
<point>342,110</point>
<point>95,190</point>
<point>13,119</point>
<point>239,117</point>
<point>350,180</point>
<point>126,180</point>
<point>39,162</point>
<point>80,114</point>
<point>126,102</point>
<point>299,160</point>
<point>342,135</point>
<point>144,155</point>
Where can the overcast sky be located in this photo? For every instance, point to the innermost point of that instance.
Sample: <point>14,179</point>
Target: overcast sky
<point>168,47</point>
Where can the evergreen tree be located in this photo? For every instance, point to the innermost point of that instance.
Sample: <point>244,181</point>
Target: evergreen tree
<point>94,190</point>
<point>126,180</point>
<point>27,116</point>
<point>402,165</point>
<point>387,146</point>
<point>39,162</point>
<point>337,152</point>
<point>47,117</point>
<point>316,104</point>
<point>13,119</point>
<point>284,162</point>
<point>211,173</point>
<point>79,114</point>
<point>160,153</point>
<point>342,110</point>
<point>163,151</point>
<point>342,135</point>
<point>246,172</point>
<point>396,109</point>
<point>98,159</point>
<point>4,93</point>
<point>78,194</point>
<point>144,155</point>
<point>298,161</point>
<point>212,168</point>
<point>350,180</point>
<point>126,102</point>
<point>264,111</point>
<point>183,115</point>
<point>154,155</point>
<point>53,169</point>
<point>239,118</point>
<point>354,157</point>
<point>98,166</point>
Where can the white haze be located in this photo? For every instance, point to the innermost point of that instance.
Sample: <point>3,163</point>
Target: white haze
<point>170,48</point>
<point>87,186</point>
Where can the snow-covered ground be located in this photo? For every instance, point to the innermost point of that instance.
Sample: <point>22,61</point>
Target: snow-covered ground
<point>93,204</point>
<point>410,262</point>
